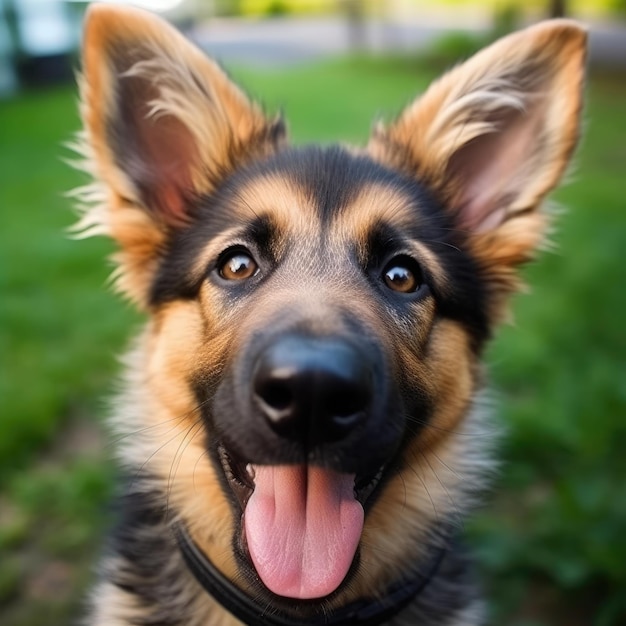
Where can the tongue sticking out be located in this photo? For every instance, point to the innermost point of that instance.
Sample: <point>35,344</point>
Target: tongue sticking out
<point>303,526</point>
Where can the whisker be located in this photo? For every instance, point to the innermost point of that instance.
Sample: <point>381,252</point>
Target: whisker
<point>178,457</point>
<point>175,419</point>
<point>166,443</point>
<point>117,440</point>
<point>452,501</point>
<point>450,469</point>
<point>195,467</point>
<point>443,243</point>
<point>414,470</point>
<point>451,431</point>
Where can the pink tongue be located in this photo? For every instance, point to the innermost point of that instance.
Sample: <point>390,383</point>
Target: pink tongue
<point>303,527</point>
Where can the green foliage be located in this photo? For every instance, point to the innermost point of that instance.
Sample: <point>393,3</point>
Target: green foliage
<point>455,46</point>
<point>277,8</point>
<point>551,543</point>
<point>274,8</point>
<point>619,6</point>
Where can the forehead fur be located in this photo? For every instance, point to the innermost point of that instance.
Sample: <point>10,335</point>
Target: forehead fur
<point>309,194</point>
<point>327,181</point>
<point>315,188</point>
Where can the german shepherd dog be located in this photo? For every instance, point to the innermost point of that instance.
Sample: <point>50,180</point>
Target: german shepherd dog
<point>297,416</point>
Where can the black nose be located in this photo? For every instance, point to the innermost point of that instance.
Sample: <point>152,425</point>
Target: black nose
<point>313,390</point>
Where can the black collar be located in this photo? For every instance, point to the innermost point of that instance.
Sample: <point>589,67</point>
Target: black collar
<point>364,612</point>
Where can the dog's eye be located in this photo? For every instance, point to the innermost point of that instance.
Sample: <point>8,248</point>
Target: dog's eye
<point>402,274</point>
<point>237,265</point>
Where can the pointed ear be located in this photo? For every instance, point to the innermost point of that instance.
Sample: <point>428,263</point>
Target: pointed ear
<point>163,125</point>
<point>493,137</point>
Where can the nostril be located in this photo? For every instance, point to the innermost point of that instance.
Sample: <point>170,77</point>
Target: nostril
<point>275,394</point>
<point>345,404</point>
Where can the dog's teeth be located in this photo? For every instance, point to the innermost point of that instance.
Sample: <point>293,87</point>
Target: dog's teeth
<point>250,470</point>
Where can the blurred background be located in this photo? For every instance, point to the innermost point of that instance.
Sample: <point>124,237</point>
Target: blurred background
<point>552,539</point>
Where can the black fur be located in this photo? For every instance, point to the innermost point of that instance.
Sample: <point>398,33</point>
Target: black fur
<point>333,177</point>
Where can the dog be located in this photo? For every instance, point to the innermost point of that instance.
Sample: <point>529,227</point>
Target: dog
<point>298,417</point>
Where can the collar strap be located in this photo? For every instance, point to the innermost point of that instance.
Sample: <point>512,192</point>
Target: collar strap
<point>363,612</point>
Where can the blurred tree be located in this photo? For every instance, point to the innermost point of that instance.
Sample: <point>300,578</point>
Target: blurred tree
<point>355,12</point>
<point>558,8</point>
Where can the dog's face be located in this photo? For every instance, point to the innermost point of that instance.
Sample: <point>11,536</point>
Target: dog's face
<point>341,312</point>
<point>317,315</point>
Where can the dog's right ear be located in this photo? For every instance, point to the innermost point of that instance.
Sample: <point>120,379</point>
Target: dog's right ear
<point>491,139</point>
<point>163,125</point>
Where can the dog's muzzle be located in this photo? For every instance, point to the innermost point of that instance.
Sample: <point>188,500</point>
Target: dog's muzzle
<point>306,428</point>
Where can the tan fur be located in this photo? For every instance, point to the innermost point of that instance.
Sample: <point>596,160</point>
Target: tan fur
<point>194,489</point>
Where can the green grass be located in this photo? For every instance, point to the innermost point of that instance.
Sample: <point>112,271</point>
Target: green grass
<point>53,364</point>
<point>554,537</point>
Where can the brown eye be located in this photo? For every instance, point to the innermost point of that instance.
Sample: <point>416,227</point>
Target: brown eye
<point>238,265</point>
<point>402,274</point>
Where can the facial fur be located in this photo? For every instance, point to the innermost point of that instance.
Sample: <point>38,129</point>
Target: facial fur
<point>374,277</point>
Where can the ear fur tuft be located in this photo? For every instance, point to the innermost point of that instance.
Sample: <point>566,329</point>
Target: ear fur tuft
<point>492,137</point>
<point>163,125</point>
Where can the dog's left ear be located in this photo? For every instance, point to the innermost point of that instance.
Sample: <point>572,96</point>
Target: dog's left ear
<point>493,137</point>
<point>163,126</point>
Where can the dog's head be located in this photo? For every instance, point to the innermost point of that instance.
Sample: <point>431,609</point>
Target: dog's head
<point>317,314</point>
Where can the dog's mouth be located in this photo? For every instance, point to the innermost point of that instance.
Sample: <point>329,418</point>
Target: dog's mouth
<point>302,524</point>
